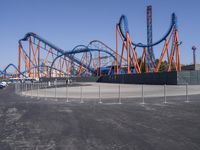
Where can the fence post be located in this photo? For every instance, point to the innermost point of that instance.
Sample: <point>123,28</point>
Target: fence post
<point>119,94</point>
<point>28,91</point>
<point>25,89</point>
<point>100,101</point>
<point>31,90</point>
<point>22,89</point>
<point>38,86</point>
<point>67,93</point>
<point>45,91</point>
<point>187,99</point>
<point>55,93</point>
<point>165,98</point>
<point>81,94</point>
<point>15,88</point>
<point>18,88</point>
<point>143,95</point>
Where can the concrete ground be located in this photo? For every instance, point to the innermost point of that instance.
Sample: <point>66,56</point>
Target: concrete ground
<point>107,91</point>
<point>32,124</point>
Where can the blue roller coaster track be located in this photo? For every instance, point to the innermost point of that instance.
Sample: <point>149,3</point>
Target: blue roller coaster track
<point>123,27</point>
<point>83,49</point>
<point>70,54</point>
<point>123,24</point>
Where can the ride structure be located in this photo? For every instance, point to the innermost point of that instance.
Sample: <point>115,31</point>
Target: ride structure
<point>6,72</point>
<point>38,57</point>
<point>135,63</point>
<point>150,38</point>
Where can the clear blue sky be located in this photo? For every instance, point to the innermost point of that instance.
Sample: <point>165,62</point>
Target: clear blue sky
<point>68,23</point>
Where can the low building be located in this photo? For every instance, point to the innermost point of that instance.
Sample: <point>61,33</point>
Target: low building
<point>191,67</point>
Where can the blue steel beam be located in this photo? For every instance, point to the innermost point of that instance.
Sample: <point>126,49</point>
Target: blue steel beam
<point>4,72</point>
<point>123,26</point>
<point>61,51</point>
<point>81,51</point>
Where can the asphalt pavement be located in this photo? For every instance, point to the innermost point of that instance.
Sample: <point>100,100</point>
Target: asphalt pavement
<point>31,124</point>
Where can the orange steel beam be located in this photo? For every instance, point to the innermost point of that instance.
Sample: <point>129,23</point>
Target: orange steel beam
<point>45,62</point>
<point>142,58</point>
<point>24,58</point>
<point>178,53</point>
<point>134,60</point>
<point>38,59</point>
<point>171,58</point>
<point>116,61</point>
<point>164,50</point>
<point>175,50</point>
<point>146,67</point>
<point>123,45</point>
<point>33,59</point>
<point>130,51</point>
<point>29,65</point>
<point>128,55</point>
<point>162,55</point>
<point>19,60</point>
<point>118,31</point>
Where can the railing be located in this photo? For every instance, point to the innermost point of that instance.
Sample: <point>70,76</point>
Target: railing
<point>103,93</point>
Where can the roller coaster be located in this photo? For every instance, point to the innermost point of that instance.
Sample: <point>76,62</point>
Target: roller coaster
<point>38,57</point>
<point>129,49</point>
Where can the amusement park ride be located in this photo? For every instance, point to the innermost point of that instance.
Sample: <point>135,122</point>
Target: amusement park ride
<point>38,57</point>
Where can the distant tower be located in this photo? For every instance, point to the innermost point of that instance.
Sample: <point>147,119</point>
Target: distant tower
<point>150,34</point>
<point>194,54</point>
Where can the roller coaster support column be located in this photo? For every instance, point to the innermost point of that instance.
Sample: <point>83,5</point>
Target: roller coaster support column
<point>175,49</point>
<point>19,59</point>
<point>164,50</point>
<point>38,60</point>
<point>142,61</point>
<point>117,53</point>
<point>178,63</point>
<point>29,60</point>
<point>36,57</point>
<point>130,53</point>
<point>150,56</point>
<point>132,59</point>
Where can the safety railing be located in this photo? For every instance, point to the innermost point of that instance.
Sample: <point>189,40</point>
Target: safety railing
<point>103,93</point>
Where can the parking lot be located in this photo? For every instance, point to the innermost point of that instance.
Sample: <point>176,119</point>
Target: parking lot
<point>31,123</point>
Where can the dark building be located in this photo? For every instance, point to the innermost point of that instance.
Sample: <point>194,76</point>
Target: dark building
<point>191,67</point>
